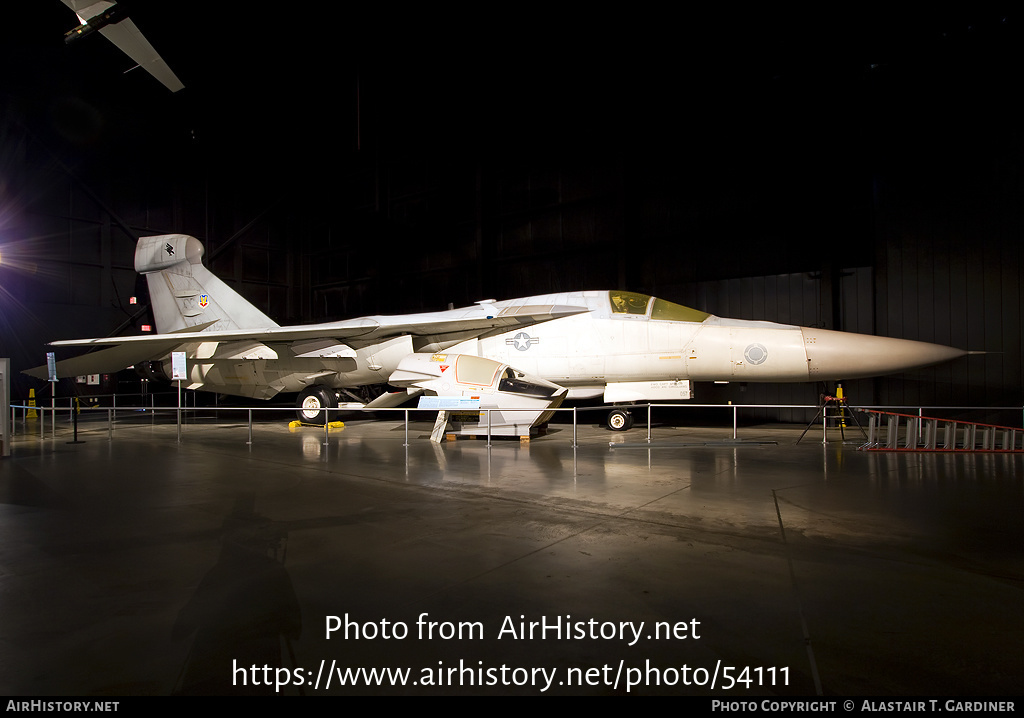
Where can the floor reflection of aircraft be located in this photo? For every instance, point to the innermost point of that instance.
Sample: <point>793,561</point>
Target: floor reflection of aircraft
<point>622,346</point>
<point>242,609</point>
<point>113,23</point>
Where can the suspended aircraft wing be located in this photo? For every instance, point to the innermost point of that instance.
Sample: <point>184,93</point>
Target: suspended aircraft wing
<point>107,17</point>
<point>134,44</point>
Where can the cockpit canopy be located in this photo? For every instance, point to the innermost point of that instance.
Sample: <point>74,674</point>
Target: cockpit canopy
<point>643,305</point>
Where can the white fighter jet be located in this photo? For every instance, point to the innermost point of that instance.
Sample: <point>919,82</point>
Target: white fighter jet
<point>622,346</point>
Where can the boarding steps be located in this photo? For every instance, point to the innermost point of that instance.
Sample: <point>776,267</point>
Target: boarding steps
<point>889,431</point>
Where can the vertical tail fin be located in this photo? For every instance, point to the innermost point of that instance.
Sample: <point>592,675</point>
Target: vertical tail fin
<point>185,294</point>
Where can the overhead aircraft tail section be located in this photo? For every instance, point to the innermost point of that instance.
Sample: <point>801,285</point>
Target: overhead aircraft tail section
<point>184,294</point>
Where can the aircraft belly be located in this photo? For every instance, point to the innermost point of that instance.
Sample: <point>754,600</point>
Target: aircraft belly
<point>234,378</point>
<point>643,367</point>
<point>265,378</point>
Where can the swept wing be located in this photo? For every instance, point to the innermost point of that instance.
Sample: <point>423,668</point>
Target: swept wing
<point>436,327</point>
<point>112,24</point>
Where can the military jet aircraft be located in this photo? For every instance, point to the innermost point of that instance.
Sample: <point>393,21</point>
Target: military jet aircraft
<point>233,348</point>
<point>622,346</point>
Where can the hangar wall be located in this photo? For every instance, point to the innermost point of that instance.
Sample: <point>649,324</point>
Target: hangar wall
<point>947,277</point>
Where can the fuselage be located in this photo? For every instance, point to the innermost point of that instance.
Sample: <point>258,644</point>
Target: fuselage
<point>630,337</point>
<point>624,339</point>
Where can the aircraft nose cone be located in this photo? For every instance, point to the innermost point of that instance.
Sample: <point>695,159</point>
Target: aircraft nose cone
<point>840,355</point>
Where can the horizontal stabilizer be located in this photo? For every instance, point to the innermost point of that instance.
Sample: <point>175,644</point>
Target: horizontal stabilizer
<point>109,360</point>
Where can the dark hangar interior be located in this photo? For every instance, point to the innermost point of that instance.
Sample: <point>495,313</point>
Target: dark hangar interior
<point>859,171</point>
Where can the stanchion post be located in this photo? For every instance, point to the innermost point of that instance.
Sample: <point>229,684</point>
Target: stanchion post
<point>74,424</point>
<point>179,411</point>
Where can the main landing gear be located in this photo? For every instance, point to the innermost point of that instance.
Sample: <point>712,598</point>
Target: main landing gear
<point>620,420</point>
<point>313,404</point>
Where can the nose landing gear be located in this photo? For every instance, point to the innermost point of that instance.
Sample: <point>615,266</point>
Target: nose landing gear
<point>620,420</point>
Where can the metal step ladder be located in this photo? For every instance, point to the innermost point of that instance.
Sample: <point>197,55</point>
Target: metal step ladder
<point>889,431</point>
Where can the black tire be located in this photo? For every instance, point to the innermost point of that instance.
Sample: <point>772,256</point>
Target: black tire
<point>312,404</point>
<point>620,420</point>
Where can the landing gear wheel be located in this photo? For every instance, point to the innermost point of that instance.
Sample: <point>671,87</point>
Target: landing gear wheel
<point>313,403</point>
<point>620,420</point>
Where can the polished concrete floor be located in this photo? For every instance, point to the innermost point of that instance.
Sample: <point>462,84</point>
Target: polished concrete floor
<point>140,565</point>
